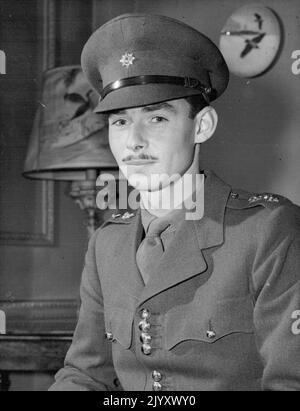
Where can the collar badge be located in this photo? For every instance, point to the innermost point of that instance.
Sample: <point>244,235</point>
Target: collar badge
<point>127,215</point>
<point>127,59</point>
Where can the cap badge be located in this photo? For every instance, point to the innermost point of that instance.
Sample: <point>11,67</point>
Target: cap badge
<point>127,59</point>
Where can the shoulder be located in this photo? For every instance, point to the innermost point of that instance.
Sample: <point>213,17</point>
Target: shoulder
<point>271,210</point>
<point>241,199</point>
<point>115,221</point>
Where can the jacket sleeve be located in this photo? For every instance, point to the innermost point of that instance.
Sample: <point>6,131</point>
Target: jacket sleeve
<point>88,364</point>
<point>276,276</point>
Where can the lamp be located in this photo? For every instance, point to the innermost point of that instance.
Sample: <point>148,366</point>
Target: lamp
<point>69,142</point>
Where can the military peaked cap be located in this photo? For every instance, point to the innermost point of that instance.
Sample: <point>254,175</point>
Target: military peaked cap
<point>138,59</point>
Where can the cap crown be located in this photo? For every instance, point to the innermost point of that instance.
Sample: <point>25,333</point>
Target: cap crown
<point>134,45</point>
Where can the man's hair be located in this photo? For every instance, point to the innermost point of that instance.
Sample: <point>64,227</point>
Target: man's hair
<point>197,103</point>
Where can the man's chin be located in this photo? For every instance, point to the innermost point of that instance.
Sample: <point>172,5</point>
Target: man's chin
<point>142,182</point>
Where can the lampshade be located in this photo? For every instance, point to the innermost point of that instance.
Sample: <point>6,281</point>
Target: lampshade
<point>67,136</point>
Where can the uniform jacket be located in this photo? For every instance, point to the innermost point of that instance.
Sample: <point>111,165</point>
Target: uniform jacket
<point>223,305</point>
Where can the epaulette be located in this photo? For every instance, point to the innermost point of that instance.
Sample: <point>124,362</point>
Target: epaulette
<point>239,199</point>
<point>119,218</point>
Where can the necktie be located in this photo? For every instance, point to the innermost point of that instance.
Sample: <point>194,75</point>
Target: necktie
<point>151,248</point>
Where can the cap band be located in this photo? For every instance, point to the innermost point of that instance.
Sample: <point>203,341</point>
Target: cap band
<point>188,82</point>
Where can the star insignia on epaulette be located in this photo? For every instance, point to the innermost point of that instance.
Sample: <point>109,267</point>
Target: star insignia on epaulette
<point>127,59</point>
<point>263,197</point>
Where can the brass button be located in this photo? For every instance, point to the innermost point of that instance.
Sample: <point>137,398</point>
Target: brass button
<point>234,195</point>
<point>156,375</point>
<point>146,349</point>
<point>210,334</point>
<point>144,326</point>
<point>109,336</point>
<point>145,314</point>
<point>145,338</point>
<point>156,386</point>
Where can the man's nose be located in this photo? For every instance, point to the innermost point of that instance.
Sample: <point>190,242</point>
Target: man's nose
<point>135,139</point>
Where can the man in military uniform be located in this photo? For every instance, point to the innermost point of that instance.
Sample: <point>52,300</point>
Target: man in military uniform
<point>170,303</point>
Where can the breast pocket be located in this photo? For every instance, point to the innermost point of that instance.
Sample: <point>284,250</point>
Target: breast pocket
<point>213,346</point>
<point>210,323</point>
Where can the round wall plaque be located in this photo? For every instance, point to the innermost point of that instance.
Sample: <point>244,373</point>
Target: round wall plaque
<point>250,40</point>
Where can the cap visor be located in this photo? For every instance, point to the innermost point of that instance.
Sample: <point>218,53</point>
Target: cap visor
<point>143,95</point>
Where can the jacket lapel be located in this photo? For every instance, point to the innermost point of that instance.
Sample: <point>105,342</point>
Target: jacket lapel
<point>184,258</point>
<point>122,271</point>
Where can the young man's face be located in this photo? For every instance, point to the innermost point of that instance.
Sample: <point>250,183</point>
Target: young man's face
<point>151,144</point>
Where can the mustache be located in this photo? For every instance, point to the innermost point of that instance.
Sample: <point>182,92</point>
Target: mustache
<point>141,156</point>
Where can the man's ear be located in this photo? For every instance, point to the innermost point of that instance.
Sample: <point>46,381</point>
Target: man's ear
<point>205,124</point>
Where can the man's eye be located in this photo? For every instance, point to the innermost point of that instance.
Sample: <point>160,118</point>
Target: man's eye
<point>158,119</point>
<point>120,122</point>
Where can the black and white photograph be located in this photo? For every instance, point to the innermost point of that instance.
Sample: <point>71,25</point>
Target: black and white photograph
<point>149,198</point>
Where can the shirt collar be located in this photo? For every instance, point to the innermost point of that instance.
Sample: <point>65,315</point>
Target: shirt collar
<point>175,216</point>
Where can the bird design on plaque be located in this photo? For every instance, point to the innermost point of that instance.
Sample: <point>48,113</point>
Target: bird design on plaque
<point>250,40</point>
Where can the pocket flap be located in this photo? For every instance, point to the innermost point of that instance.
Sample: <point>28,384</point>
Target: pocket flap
<point>209,324</point>
<point>119,323</point>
